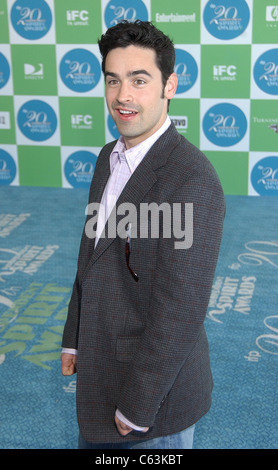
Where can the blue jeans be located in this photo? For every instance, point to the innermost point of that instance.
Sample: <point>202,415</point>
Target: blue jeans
<point>180,440</point>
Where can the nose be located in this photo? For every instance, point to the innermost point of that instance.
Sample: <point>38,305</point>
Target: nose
<point>124,93</point>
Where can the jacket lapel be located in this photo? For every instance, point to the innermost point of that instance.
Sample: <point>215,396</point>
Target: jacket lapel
<point>101,174</point>
<point>132,194</point>
<point>139,184</point>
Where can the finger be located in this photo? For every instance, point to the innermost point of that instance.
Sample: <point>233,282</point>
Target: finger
<point>68,364</point>
<point>122,428</point>
<point>68,370</point>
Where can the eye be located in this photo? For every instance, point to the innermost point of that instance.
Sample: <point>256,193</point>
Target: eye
<point>112,82</point>
<point>139,81</point>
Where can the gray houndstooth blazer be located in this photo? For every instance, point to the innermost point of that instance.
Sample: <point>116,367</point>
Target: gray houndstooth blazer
<point>142,346</point>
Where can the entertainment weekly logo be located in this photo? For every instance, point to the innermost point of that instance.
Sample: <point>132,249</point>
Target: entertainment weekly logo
<point>177,221</point>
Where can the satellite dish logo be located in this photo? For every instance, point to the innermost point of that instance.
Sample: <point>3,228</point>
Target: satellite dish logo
<point>7,168</point>
<point>37,120</point>
<point>79,168</point>
<point>186,70</point>
<point>266,72</point>
<point>264,176</point>
<point>80,70</point>
<point>31,19</point>
<point>224,124</point>
<point>120,10</point>
<point>226,19</point>
<point>4,70</point>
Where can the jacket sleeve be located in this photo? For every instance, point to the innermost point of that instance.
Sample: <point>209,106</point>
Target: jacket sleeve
<point>71,329</point>
<point>179,303</point>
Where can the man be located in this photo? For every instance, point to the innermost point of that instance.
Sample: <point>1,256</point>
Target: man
<point>135,330</point>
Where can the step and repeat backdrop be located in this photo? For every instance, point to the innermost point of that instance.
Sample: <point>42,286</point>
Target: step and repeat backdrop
<point>53,116</point>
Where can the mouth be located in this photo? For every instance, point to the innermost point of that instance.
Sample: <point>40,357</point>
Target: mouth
<point>125,114</point>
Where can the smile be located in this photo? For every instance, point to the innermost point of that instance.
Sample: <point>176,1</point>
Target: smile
<point>121,111</point>
<point>125,114</point>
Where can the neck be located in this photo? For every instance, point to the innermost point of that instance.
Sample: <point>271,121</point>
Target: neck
<point>133,141</point>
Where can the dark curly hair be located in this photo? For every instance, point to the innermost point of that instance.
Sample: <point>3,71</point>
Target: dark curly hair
<point>142,34</point>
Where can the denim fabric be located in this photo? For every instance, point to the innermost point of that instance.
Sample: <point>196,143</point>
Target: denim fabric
<point>180,440</point>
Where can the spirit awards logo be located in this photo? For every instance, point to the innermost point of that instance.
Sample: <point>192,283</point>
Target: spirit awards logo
<point>120,10</point>
<point>4,71</point>
<point>112,128</point>
<point>9,222</point>
<point>186,70</point>
<point>225,124</point>
<point>266,72</point>
<point>31,19</point>
<point>264,176</point>
<point>226,19</point>
<point>37,120</point>
<point>79,168</point>
<point>80,70</point>
<point>230,294</point>
<point>7,168</point>
<point>31,328</point>
<point>27,260</point>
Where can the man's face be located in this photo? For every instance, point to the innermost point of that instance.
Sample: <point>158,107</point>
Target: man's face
<point>134,92</point>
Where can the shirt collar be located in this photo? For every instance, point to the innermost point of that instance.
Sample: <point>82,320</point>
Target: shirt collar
<point>135,155</point>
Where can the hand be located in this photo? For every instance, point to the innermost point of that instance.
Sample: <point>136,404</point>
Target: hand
<point>123,428</point>
<point>68,363</point>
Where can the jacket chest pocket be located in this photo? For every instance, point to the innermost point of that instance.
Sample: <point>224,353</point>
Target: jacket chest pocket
<point>126,347</point>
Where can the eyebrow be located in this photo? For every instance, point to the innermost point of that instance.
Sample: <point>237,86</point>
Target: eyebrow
<point>130,74</point>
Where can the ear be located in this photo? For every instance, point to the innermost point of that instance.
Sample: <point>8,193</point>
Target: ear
<point>171,86</point>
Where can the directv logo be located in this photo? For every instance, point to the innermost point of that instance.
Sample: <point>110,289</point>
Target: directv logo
<point>33,72</point>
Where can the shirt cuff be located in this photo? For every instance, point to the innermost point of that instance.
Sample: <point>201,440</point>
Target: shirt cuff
<point>70,351</point>
<point>127,422</point>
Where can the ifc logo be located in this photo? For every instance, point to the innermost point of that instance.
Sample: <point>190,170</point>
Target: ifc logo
<point>264,176</point>
<point>79,168</point>
<point>226,19</point>
<point>266,72</point>
<point>31,19</point>
<point>120,10</point>
<point>4,70</point>
<point>224,124</point>
<point>80,70</point>
<point>7,168</point>
<point>37,120</point>
<point>186,70</point>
